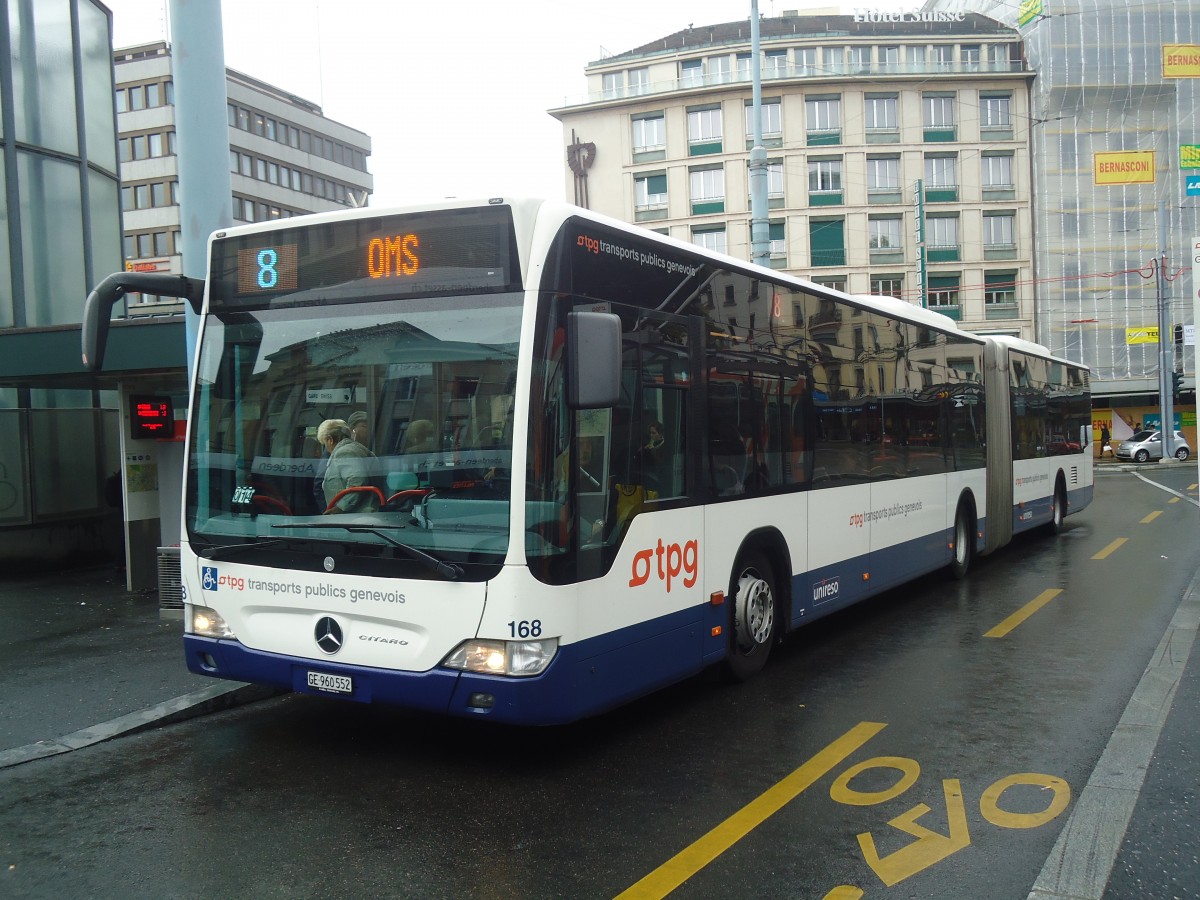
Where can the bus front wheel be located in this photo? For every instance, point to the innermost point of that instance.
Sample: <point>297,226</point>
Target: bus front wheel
<point>755,616</point>
<point>964,542</point>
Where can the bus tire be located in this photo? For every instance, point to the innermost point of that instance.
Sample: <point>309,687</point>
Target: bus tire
<point>963,552</point>
<point>1058,511</point>
<point>754,614</point>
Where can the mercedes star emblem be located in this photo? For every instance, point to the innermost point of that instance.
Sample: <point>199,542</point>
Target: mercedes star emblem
<point>329,635</point>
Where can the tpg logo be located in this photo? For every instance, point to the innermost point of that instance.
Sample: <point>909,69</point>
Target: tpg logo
<point>679,560</point>
<point>210,579</point>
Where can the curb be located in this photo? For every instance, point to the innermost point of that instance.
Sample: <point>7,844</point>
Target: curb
<point>177,709</point>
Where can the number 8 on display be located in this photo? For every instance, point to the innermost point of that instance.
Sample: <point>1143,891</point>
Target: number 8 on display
<point>268,275</point>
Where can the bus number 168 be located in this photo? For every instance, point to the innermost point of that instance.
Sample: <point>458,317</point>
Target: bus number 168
<point>525,629</point>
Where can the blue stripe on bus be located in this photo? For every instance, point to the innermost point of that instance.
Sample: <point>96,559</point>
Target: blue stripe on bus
<point>585,678</point>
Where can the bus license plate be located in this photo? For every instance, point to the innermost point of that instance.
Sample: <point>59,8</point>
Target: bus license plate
<point>334,684</point>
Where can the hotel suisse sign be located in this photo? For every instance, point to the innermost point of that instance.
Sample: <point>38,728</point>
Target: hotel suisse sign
<point>916,15</point>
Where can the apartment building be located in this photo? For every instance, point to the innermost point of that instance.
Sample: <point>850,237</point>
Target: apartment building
<point>898,153</point>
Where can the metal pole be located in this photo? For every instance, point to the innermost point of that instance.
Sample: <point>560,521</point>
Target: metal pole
<point>202,131</point>
<point>760,228</point>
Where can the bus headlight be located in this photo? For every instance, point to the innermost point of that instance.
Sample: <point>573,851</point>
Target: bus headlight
<point>207,622</point>
<point>515,658</point>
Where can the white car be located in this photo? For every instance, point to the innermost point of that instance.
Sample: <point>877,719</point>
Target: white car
<point>1147,445</point>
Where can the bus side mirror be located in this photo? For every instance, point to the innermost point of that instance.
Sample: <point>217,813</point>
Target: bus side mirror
<point>97,309</point>
<point>594,354</point>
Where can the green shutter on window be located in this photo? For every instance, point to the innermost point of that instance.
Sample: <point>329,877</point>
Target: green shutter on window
<point>775,231</point>
<point>656,184</point>
<point>827,242</point>
<point>943,282</point>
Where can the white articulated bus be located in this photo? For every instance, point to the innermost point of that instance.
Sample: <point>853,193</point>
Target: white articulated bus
<point>590,460</point>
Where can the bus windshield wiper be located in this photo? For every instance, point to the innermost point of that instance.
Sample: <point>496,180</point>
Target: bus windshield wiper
<point>449,571</point>
<point>223,550</point>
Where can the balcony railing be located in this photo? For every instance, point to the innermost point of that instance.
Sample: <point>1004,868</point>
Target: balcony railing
<point>693,81</point>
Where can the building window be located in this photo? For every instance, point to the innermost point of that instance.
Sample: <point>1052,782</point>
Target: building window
<point>889,60</point>
<point>995,111</point>
<point>943,57</point>
<point>887,286</point>
<point>691,73</point>
<point>707,190</point>
<point>639,82</point>
<point>1000,295</point>
<point>883,174</point>
<point>944,293</point>
<point>941,238</point>
<point>704,131</point>
<point>884,234</point>
<point>970,56</point>
<point>823,120</point>
<point>806,60</point>
<point>999,235</point>
<point>999,288</point>
<point>772,123</point>
<point>858,60</point>
<point>881,114</point>
<point>941,179</point>
<point>710,238</point>
<point>650,196</point>
<point>718,70</point>
<point>649,132</point>
<point>824,181</point>
<point>778,245</point>
<point>775,179</point>
<point>775,64</point>
<point>836,283</point>
<point>613,82</point>
<point>938,116</point>
<point>827,242</point>
<point>997,171</point>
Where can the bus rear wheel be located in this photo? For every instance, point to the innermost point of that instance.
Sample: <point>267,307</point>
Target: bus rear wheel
<point>755,616</point>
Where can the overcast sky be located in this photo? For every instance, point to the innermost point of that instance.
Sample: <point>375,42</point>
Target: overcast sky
<point>453,94</point>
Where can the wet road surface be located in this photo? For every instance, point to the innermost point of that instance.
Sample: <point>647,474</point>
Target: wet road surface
<point>928,743</point>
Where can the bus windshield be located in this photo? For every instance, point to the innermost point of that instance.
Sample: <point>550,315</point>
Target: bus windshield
<point>417,397</point>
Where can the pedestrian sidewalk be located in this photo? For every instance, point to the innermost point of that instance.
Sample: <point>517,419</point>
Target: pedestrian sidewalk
<point>80,651</point>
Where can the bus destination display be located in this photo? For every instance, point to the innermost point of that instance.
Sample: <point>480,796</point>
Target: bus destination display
<point>332,262</point>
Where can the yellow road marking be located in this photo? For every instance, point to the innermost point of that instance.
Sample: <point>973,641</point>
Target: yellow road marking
<point>1023,613</point>
<point>989,802</point>
<point>1173,500</point>
<point>683,865</point>
<point>1110,549</point>
<point>1150,518</point>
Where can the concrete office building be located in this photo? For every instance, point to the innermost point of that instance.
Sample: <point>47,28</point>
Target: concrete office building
<point>857,112</point>
<point>285,158</point>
